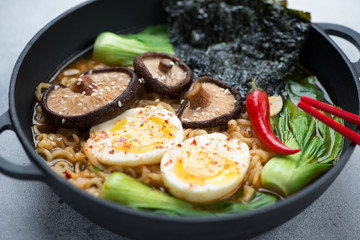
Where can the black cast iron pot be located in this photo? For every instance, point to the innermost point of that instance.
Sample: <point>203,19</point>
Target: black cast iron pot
<point>52,46</point>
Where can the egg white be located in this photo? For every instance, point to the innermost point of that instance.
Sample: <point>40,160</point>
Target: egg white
<point>205,168</point>
<point>138,136</point>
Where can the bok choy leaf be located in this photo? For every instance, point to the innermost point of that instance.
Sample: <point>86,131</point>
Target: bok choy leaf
<point>121,49</point>
<point>123,189</point>
<point>320,148</point>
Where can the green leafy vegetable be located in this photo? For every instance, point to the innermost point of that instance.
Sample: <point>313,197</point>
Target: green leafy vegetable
<point>306,88</point>
<point>320,149</point>
<point>301,83</point>
<point>115,49</point>
<point>123,189</point>
<point>226,207</point>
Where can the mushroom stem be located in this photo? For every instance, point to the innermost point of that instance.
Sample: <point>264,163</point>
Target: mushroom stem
<point>165,65</point>
<point>84,85</point>
<point>198,96</point>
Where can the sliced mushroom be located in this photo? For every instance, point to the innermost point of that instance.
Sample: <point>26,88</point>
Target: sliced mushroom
<point>163,73</point>
<point>98,95</point>
<point>209,103</point>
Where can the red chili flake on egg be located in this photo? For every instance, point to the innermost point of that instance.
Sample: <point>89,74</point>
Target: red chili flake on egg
<point>179,145</point>
<point>194,142</point>
<point>112,151</point>
<point>166,121</point>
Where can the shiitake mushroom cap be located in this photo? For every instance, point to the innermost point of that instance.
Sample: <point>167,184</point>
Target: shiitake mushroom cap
<point>220,120</point>
<point>156,85</point>
<point>101,114</point>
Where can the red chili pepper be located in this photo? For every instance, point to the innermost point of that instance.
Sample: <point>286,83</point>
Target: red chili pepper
<point>258,109</point>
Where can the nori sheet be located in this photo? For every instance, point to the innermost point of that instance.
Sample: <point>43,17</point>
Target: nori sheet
<point>234,40</point>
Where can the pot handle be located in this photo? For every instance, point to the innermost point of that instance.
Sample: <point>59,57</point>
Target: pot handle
<point>25,172</point>
<point>345,33</point>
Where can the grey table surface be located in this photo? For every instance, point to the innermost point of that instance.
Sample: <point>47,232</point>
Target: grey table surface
<point>31,210</point>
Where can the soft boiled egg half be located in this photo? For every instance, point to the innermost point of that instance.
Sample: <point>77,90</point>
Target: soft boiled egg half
<point>205,168</point>
<point>136,137</point>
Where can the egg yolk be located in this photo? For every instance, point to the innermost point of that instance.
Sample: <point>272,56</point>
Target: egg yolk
<point>142,134</point>
<point>205,167</point>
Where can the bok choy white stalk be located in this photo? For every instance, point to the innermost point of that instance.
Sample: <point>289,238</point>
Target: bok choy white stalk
<point>320,149</point>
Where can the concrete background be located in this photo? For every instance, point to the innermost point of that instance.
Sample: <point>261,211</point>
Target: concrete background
<point>30,210</point>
